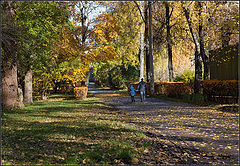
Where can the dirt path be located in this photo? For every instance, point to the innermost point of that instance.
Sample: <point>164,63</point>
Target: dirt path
<point>203,135</point>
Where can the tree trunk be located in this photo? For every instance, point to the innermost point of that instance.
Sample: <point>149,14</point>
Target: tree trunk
<point>20,97</point>
<point>28,88</point>
<point>169,44</point>
<point>146,40</point>
<point>84,29</point>
<point>198,73</point>
<point>151,51</point>
<point>141,54</point>
<point>203,54</point>
<point>9,63</point>
<point>201,43</point>
<point>9,85</point>
<point>83,22</point>
<point>198,62</point>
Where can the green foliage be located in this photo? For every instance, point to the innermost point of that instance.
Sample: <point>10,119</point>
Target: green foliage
<point>116,78</point>
<point>39,26</point>
<point>187,76</point>
<point>114,75</point>
<point>121,74</point>
<point>101,73</point>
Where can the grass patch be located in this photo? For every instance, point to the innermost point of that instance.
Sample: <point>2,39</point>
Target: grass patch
<point>62,130</point>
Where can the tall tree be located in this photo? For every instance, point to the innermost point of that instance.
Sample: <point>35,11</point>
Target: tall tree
<point>141,50</point>
<point>81,14</point>
<point>169,42</point>
<point>41,23</point>
<point>198,62</point>
<point>146,37</point>
<point>201,42</point>
<point>151,67</point>
<point>9,58</point>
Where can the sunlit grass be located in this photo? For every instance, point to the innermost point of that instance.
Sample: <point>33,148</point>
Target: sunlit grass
<point>62,130</point>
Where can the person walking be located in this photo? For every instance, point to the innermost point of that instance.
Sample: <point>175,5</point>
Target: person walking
<point>132,93</point>
<point>142,86</point>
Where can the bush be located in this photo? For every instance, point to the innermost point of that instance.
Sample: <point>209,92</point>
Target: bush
<point>179,89</point>
<point>213,89</point>
<point>171,89</point>
<point>187,76</point>
<point>80,93</point>
<point>116,79</point>
<point>101,73</point>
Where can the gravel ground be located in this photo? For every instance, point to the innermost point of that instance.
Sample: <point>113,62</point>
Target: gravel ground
<point>204,135</point>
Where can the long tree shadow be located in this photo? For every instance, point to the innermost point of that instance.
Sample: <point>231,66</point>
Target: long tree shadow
<point>55,131</point>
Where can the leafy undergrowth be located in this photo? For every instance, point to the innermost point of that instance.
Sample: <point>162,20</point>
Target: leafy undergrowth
<point>65,131</point>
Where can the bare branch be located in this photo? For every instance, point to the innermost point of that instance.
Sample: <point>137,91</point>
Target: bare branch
<point>139,11</point>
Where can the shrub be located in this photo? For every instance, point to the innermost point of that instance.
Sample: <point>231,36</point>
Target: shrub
<point>101,73</point>
<point>130,72</point>
<point>212,89</point>
<point>187,76</point>
<point>220,88</point>
<point>179,89</point>
<point>171,89</point>
<point>116,78</point>
<point>80,93</point>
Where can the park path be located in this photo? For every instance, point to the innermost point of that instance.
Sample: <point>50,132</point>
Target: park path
<point>203,134</point>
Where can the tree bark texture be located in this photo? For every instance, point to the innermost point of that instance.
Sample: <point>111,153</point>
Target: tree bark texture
<point>169,44</point>
<point>10,94</point>
<point>20,97</point>
<point>198,73</point>
<point>198,62</point>
<point>83,21</point>
<point>28,88</point>
<point>9,85</point>
<point>151,50</point>
<point>147,40</point>
<point>141,54</point>
<point>201,43</point>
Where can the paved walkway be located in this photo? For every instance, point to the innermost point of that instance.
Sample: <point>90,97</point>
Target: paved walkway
<point>204,134</point>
